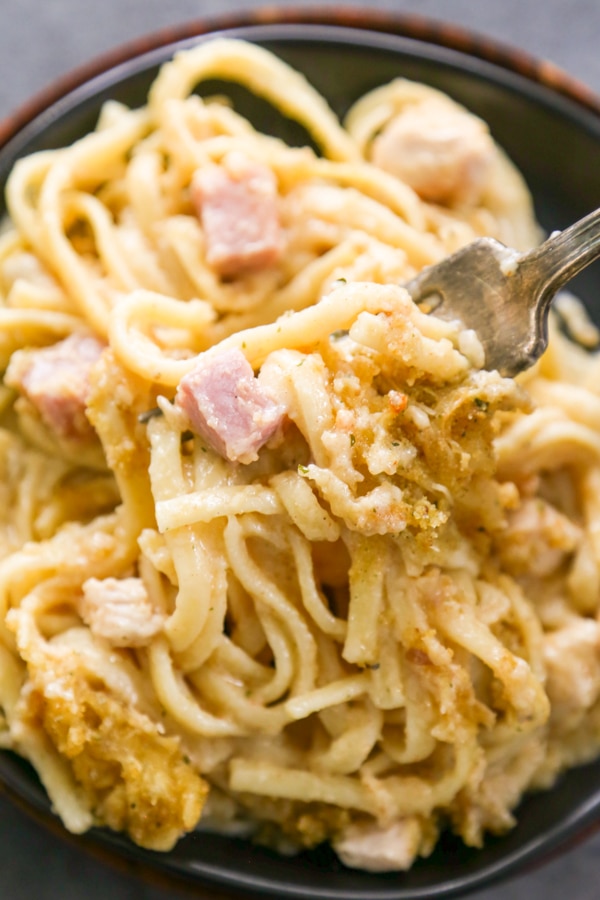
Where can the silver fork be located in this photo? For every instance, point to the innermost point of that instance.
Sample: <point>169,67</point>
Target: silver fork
<point>505,296</point>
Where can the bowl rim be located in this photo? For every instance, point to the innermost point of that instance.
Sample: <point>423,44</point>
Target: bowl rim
<point>421,29</point>
<point>437,32</point>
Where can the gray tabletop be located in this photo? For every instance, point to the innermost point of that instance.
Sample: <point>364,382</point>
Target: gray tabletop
<point>42,39</point>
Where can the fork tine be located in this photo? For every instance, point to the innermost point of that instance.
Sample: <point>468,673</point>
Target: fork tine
<point>505,296</point>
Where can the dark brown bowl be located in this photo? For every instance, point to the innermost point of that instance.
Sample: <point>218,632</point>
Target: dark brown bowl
<point>550,126</point>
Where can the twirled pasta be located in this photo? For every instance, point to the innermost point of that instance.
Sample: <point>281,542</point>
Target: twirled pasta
<point>382,619</point>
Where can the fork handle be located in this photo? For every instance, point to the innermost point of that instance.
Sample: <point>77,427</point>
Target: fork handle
<point>561,257</point>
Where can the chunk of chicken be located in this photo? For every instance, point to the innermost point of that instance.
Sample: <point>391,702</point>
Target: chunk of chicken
<point>375,848</point>
<point>537,538</point>
<point>572,657</point>
<point>119,610</point>
<point>444,153</point>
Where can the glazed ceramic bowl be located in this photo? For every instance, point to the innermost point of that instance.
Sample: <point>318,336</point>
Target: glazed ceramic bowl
<point>550,126</point>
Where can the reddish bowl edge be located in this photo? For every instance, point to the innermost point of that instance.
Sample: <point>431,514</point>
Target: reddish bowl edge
<point>414,26</point>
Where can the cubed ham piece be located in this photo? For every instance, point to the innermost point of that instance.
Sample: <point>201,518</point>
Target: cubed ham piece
<point>56,382</point>
<point>444,153</point>
<point>227,405</point>
<point>237,205</point>
<point>119,611</point>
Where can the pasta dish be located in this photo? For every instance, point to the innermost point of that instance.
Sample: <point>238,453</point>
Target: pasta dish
<point>279,556</point>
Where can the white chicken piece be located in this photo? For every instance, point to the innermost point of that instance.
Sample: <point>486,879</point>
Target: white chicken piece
<point>572,657</point>
<point>537,538</point>
<point>443,152</point>
<point>376,848</point>
<point>119,610</point>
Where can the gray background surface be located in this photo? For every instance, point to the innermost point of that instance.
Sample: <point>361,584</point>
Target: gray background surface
<point>42,39</point>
